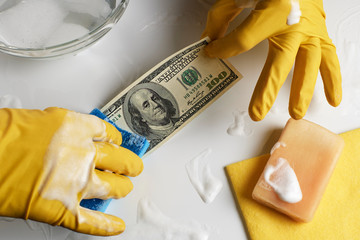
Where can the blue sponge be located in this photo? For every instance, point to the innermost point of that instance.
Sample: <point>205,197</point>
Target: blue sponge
<point>135,143</point>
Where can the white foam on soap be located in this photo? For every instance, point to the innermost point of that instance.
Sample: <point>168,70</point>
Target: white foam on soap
<point>276,146</point>
<point>240,126</point>
<point>202,178</point>
<point>283,180</point>
<point>295,13</point>
<point>10,101</point>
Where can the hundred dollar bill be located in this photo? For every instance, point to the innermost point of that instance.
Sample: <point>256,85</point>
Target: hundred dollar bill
<point>171,94</point>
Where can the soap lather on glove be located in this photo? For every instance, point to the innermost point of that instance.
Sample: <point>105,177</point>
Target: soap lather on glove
<point>52,159</point>
<point>296,33</point>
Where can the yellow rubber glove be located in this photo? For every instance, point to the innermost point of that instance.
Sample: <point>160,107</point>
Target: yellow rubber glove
<point>49,162</point>
<point>306,43</point>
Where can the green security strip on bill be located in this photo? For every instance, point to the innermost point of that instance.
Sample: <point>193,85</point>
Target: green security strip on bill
<point>171,94</point>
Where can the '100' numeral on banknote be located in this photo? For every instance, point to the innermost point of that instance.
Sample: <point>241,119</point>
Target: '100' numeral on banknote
<point>164,99</point>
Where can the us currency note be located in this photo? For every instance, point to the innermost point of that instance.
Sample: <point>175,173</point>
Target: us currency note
<point>171,94</point>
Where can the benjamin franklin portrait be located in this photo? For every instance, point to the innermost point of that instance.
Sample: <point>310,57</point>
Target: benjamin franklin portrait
<point>152,111</point>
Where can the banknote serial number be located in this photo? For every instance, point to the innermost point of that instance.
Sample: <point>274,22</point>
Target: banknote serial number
<point>209,82</point>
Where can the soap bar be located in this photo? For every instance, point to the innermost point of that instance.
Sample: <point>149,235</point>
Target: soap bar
<point>312,152</point>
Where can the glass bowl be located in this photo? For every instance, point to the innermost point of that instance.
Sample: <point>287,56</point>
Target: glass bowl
<point>51,28</point>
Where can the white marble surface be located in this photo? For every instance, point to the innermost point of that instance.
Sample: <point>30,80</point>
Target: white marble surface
<point>150,31</point>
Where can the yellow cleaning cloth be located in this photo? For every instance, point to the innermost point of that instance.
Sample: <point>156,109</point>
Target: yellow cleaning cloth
<point>337,217</point>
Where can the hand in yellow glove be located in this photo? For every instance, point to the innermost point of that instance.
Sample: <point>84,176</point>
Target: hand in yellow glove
<point>306,43</point>
<point>49,162</point>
